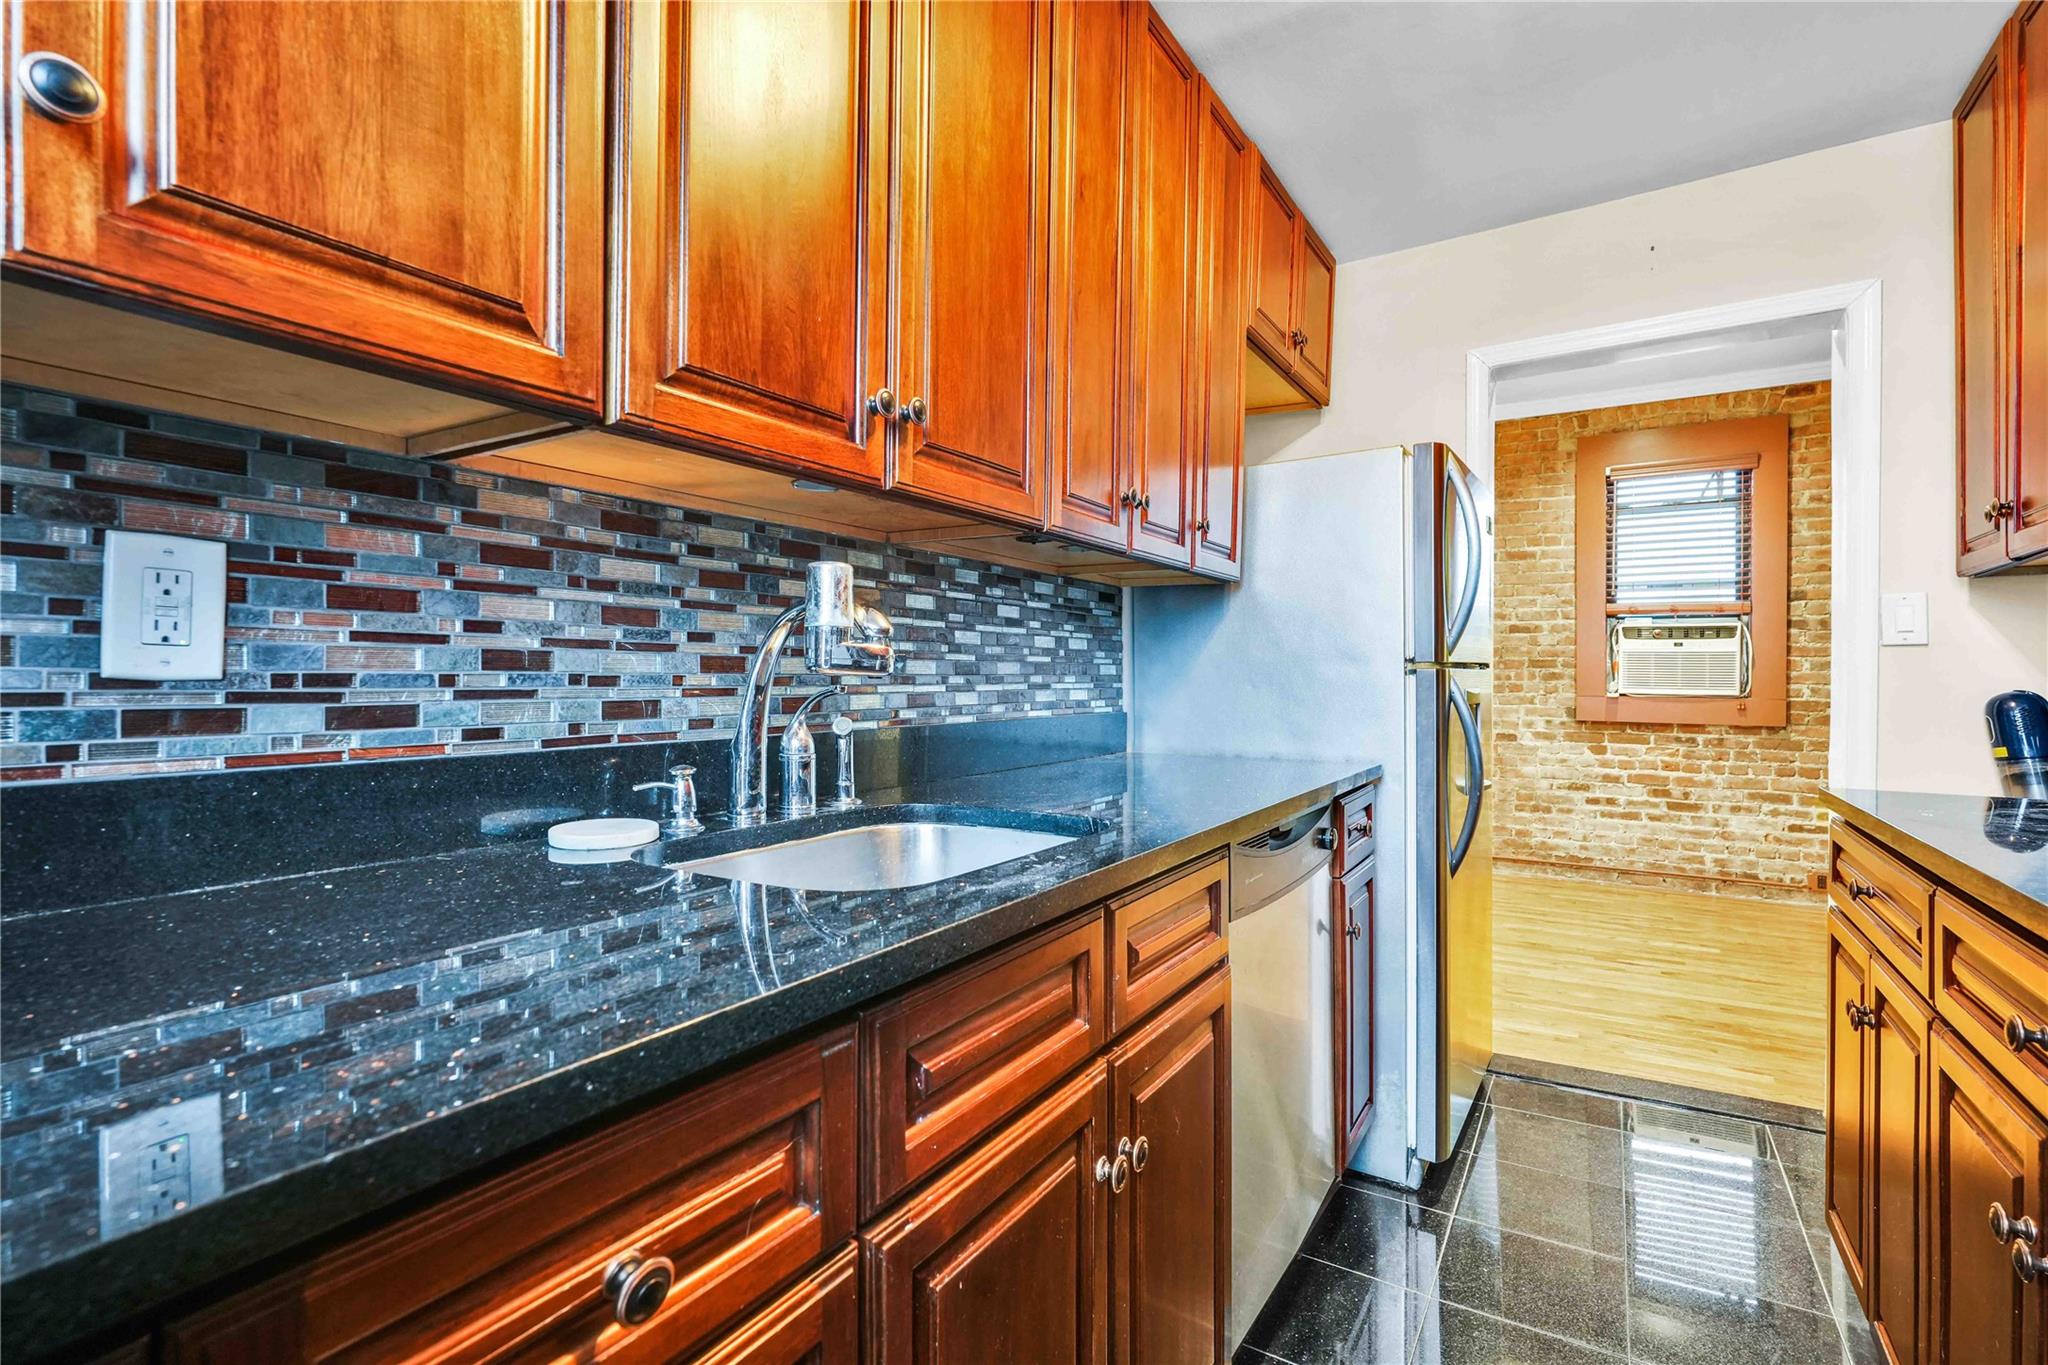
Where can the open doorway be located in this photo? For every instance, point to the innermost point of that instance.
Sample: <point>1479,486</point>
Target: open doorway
<point>1655,916</point>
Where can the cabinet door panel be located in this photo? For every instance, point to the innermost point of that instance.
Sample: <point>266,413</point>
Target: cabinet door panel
<point>1848,1191</point>
<point>1089,473</point>
<point>754,197</point>
<point>1165,95</point>
<point>975,201</point>
<point>1897,1123</point>
<point>2027,534</point>
<point>1276,238</point>
<point>1313,304</point>
<point>1170,1229</point>
<point>1223,173</point>
<point>1980,134</point>
<point>1984,1147</point>
<point>254,167</point>
<point>1356,896</point>
<point>1003,1256</point>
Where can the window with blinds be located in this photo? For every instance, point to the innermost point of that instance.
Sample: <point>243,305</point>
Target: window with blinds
<point>1680,540</point>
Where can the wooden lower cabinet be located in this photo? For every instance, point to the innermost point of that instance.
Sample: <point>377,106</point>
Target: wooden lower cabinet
<point>1001,1258</point>
<point>1937,1159</point>
<point>1355,904</point>
<point>1986,1148</point>
<point>1169,1228</point>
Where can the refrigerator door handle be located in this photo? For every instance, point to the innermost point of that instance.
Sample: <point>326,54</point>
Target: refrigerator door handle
<point>1475,773</point>
<point>1468,518</point>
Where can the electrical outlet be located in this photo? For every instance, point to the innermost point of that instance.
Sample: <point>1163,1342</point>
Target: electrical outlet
<point>159,1163</point>
<point>163,607</point>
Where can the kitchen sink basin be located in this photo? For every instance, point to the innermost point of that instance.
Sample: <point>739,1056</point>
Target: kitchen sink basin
<point>882,855</point>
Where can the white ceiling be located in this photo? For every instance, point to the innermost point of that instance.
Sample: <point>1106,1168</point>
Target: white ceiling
<point>1395,124</point>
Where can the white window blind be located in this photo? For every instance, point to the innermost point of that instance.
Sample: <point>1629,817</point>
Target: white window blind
<point>1678,538</point>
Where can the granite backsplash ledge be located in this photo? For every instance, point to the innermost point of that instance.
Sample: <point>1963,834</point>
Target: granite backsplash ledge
<point>383,607</point>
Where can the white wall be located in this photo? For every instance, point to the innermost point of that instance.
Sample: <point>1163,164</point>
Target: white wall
<point>1870,210</point>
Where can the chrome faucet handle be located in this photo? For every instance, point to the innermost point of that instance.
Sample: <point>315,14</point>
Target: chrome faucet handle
<point>800,757</point>
<point>683,815</point>
<point>842,732</point>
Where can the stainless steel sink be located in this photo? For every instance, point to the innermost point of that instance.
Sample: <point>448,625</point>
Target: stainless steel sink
<point>878,857</point>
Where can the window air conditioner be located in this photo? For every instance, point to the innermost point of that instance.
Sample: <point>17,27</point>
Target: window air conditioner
<point>1678,656</point>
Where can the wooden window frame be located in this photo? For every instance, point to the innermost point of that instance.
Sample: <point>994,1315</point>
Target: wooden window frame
<point>1761,442</point>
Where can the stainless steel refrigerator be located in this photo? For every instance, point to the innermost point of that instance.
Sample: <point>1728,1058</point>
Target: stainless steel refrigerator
<point>1363,632</point>
<point>1449,672</point>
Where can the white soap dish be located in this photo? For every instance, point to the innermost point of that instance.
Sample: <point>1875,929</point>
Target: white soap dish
<point>587,835</point>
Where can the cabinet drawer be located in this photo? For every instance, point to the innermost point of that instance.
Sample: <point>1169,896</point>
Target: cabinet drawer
<point>1887,899</point>
<point>1991,985</point>
<point>945,1064</point>
<point>740,1184</point>
<point>1354,829</point>
<point>1163,936</point>
<point>815,1323</point>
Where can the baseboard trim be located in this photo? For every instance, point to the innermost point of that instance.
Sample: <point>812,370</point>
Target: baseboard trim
<point>1662,1092</point>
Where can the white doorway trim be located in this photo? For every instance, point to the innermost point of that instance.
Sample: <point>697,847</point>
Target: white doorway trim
<point>1855,313</point>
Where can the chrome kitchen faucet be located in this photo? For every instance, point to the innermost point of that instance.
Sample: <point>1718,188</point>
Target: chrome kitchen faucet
<point>841,640</point>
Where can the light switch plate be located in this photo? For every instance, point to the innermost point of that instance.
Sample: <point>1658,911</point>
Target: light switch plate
<point>1904,620</point>
<point>163,607</point>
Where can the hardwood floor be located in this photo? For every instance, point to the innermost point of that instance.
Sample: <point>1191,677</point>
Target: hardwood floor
<point>1717,992</point>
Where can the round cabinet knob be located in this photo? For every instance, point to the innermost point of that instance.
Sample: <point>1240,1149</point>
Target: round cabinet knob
<point>1326,839</point>
<point>1353,930</point>
<point>2019,1037</point>
<point>1298,337</point>
<point>916,410</point>
<point>1202,525</point>
<point>882,403</point>
<point>59,88</point>
<point>1120,1175</point>
<point>2025,1263</point>
<point>637,1287</point>
<point>2006,1228</point>
<point>1141,1152</point>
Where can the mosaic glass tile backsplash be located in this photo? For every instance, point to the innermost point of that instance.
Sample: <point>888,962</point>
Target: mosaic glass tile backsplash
<point>383,607</point>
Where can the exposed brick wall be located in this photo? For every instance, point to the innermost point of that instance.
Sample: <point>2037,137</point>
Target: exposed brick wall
<point>386,607</point>
<point>1676,803</point>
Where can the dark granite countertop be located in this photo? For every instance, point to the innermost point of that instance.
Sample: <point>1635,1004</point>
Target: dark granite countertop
<point>373,1032</point>
<point>1993,847</point>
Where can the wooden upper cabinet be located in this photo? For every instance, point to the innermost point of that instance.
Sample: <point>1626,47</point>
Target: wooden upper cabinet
<point>1276,240</point>
<point>2027,528</point>
<point>753,213</point>
<point>1315,297</point>
<point>975,155</point>
<point>1287,322</point>
<point>257,165</point>
<point>1165,105</point>
<point>1170,1225</point>
<point>1980,134</point>
<point>1089,473</point>
<point>1224,166</point>
<point>1002,1257</point>
<point>1848,1178</point>
<point>1985,1147</point>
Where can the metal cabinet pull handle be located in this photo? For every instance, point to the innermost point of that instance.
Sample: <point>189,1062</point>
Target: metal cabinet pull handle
<point>1120,1175</point>
<point>916,410</point>
<point>1860,1016</point>
<point>882,403</point>
<point>2019,1037</point>
<point>1997,510</point>
<point>2006,1228</point>
<point>1353,930</point>
<point>1146,502</point>
<point>1298,337</point>
<point>1141,1152</point>
<point>2026,1264</point>
<point>58,88</point>
<point>1203,526</point>
<point>637,1286</point>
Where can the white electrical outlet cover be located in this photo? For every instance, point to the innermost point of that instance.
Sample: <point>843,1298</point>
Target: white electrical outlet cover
<point>163,607</point>
<point>132,1195</point>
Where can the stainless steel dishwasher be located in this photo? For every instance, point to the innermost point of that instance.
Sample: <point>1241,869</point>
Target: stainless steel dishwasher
<point>1283,1141</point>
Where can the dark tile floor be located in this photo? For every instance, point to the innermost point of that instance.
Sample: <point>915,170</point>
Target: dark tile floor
<point>1573,1228</point>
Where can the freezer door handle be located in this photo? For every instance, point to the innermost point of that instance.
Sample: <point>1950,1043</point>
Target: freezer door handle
<point>1475,772</point>
<point>1468,519</point>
